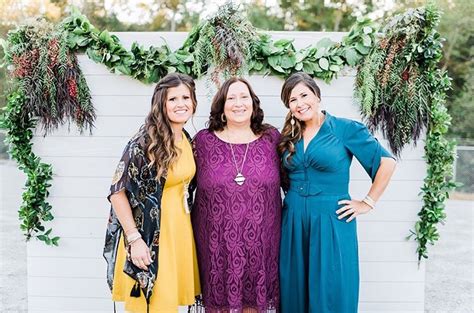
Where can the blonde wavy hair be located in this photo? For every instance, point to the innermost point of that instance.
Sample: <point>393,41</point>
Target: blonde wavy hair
<point>160,148</point>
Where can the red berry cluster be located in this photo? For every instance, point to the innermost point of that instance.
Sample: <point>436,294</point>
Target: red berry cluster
<point>25,63</point>
<point>72,88</point>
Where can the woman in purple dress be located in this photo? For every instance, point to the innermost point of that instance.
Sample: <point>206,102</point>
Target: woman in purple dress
<point>237,209</point>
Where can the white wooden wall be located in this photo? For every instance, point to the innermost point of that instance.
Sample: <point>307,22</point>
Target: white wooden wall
<point>71,277</point>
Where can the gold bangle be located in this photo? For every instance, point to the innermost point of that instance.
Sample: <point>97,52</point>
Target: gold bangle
<point>133,237</point>
<point>370,198</point>
<point>129,230</point>
<point>369,204</point>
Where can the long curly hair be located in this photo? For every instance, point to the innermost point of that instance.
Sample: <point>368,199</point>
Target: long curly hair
<point>288,141</point>
<point>160,148</point>
<point>216,123</point>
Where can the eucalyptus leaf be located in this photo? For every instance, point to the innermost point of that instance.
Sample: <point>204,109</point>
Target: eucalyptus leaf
<point>362,49</point>
<point>334,68</point>
<point>323,63</point>
<point>287,61</point>
<point>367,30</point>
<point>94,55</point>
<point>320,53</point>
<point>351,56</point>
<point>278,69</point>
<point>299,56</point>
<point>274,61</point>
<point>308,67</point>
<point>283,43</point>
<point>324,43</point>
<point>367,41</point>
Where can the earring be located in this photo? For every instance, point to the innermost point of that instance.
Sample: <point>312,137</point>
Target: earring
<point>292,122</point>
<point>223,118</point>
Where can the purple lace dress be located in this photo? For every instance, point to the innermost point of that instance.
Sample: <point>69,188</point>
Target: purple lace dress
<point>237,228</point>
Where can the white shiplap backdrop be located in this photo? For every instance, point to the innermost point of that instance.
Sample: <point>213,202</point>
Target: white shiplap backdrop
<point>71,277</point>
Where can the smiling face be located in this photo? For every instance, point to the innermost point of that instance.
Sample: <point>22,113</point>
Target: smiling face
<point>238,105</point>
<point>303,103</point>
<point>179,105</point>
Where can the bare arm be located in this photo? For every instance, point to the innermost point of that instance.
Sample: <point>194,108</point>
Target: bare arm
<point>123,210</point>
<point>139,252</point>
<point>382,178</point>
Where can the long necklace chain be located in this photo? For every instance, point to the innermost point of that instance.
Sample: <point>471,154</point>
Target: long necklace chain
<point>239,178</point>
<point>186,183</point>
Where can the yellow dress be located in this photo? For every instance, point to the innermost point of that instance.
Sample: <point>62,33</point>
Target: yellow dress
<point>177,281</point>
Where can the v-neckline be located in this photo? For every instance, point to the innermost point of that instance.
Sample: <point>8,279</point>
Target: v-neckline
<point>326,115</point>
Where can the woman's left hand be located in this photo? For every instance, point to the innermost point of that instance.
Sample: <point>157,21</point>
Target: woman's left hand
<point>352,208</point>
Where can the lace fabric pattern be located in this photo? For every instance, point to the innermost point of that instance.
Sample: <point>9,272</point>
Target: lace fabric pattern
<point>237,228</point>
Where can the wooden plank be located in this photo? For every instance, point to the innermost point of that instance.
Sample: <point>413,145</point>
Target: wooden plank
<point>96,268</point>
<point>139,106</point>
<point>407,170</point>
<point>401,251</point>
<point>98,187</point>
<point>368,231</point>
<point>98,207</point>
<point>93,287</point>
<point>107,85</point>
<point>81,248</point>
<point>86,146</point>
<point>392,291</point>
<point>89,247</point>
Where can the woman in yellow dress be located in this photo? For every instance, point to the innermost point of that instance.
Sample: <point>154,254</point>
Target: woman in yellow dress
<point>149,247</point>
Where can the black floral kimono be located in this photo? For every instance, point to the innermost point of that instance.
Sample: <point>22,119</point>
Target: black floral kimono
<point>144,193</point>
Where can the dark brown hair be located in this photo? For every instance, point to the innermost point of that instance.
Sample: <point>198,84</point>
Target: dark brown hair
<point>160,148</point>
<point>288,140</point>
<point>215,122</point>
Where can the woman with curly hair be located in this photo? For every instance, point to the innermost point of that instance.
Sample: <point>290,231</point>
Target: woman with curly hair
<point>236,215</point>
<point>319,268</point>
<point>150,250</point>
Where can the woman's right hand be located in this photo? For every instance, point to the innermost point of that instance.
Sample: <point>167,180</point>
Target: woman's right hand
<point>140,254</point>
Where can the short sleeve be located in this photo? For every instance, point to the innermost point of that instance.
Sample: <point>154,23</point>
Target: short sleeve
<point>127,174</point>
<point>365,147</point>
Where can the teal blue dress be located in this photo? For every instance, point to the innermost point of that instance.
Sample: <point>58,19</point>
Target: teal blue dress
<point>319,266</point>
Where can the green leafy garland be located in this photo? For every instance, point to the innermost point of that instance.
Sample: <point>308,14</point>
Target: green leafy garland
<point>242,49</point>
<point>48,90</point>
<point>237,48</point>
<point>402,92</point>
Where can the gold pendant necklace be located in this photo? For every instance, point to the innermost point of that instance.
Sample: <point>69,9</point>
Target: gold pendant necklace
<point>186,197</point>
<point>187,209</point>
<point>239,178</point>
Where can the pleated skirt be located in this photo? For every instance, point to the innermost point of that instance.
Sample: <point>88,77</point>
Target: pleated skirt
<point>319,267</point>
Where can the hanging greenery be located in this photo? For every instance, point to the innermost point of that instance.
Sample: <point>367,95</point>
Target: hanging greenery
<point>48,90</point>
<point>227,38</point>
<point>402,92</point>
<point>34,209</point>
<point>47,73</point>
<point>393,84</point>
<point>398,85</point>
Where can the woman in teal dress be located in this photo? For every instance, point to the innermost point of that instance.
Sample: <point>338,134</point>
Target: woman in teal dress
<point>319,266</point>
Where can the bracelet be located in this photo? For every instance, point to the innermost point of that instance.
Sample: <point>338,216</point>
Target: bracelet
<point>133,237</point>
<point>370,199</point>
<point>369,203</point>
<point>129,230</point>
